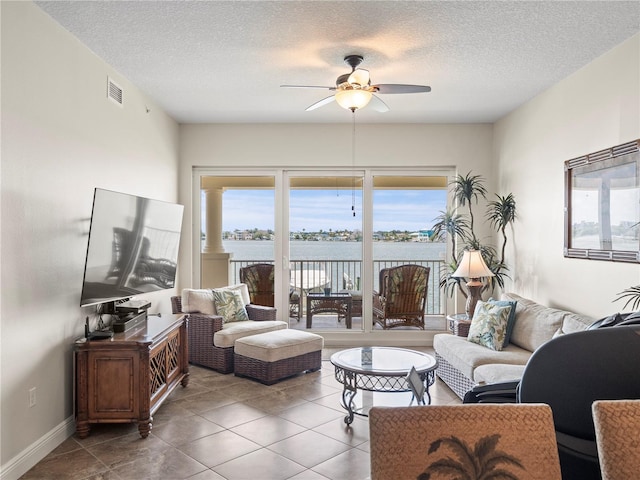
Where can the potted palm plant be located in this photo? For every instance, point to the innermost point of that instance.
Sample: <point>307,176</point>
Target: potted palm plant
<point>501,212</point>
<point>452,225</point>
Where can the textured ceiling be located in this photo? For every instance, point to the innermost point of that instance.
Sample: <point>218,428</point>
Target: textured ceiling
<point>224,61</point>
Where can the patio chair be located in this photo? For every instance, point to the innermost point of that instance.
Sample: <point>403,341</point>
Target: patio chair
<point>402,297</point>
<point>353,289</point>
<point>463,441</point>
<point>259,278</point>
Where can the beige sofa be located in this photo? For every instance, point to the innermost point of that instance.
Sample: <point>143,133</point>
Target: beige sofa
<point>463,364</point>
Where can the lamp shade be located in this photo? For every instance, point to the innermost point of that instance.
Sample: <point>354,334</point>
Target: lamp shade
<point>472,266</point>
<point>353,99</point>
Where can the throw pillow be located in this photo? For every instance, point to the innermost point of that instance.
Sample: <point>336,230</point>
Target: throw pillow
<point>229,305</point>
<point>512,317</point>
<point>489,325</point>
<point>198,301</point>
<point>244,291</point>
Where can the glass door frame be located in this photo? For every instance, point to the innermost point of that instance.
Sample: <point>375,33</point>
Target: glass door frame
<point>281,243</point>
<point>197,174</point>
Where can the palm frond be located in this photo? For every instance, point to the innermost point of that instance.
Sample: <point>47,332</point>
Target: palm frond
<point>467,188</point>
<point>501,212</point>
<point>500,475</point>
<point>461,450</point>
<point>633,295</point>
<point>451,284</point>
<point>486,446</point>
<point>451,223</point>
<point>499,458</point>
<point>449,468</point>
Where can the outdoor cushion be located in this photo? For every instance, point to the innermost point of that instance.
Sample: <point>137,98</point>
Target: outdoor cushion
<point>278,345</point>
<point>230,332</point>
<point>200,300</point>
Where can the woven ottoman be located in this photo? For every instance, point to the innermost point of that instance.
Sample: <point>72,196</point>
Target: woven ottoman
<point>272,356</point>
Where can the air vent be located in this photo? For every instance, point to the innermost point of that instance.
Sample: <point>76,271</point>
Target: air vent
<point>114,92</point>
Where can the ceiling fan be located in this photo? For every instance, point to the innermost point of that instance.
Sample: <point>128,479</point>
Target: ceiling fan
<point>353,90</point>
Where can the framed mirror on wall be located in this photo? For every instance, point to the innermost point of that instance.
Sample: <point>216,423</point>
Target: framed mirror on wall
<point>602,205</point>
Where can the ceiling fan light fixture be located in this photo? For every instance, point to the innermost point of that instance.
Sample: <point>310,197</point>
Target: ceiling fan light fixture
<point>353,99</point>
<point>360,77</point>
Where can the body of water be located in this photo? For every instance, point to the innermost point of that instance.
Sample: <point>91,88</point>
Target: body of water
<point>302,250</point>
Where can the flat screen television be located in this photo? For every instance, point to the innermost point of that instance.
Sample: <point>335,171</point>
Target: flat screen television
<point>132,248</point>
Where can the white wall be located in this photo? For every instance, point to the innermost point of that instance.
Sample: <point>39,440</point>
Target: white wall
<point>595,108</point>
<point>61,137</point>
<point>467,147</point>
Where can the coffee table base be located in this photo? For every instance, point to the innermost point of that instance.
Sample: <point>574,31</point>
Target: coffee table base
<point>354,381</point>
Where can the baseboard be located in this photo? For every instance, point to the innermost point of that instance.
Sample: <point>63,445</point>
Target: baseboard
<point>30,456</point>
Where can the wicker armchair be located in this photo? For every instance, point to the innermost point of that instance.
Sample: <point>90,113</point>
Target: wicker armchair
<point>402,297</point>
<point>259,278</point>
<point>201,329</point>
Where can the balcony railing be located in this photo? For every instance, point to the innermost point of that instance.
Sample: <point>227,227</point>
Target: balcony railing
<point>314,275</point>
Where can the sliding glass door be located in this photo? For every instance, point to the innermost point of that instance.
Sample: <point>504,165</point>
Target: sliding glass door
<point>238,233</point>
<point>325,245</point>
<point>404,208</point>
<point>324,236</point>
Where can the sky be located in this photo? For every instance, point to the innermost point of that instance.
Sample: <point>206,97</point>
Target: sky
<point>624,207</point>
<point>314,210</point>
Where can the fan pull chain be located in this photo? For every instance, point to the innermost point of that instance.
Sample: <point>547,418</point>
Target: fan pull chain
<point>353,164</point>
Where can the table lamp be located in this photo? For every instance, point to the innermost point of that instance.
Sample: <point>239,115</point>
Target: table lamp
<point>472,266</point>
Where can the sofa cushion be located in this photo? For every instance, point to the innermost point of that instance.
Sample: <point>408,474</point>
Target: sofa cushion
<point>489,325</point>
<point>230,332</point>
<point>466,356</point>
<point>497,372</point>
<point>573,322</point>
<point>535,324</point>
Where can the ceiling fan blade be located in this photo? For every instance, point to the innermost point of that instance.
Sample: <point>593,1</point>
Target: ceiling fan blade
<point>321,103</point>
<point>399,88</point>
<point>360,76</point>
<point>378,105</point>
<point>308,86</point>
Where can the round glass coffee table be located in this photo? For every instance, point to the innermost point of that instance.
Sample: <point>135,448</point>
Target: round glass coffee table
<point>380,369</point>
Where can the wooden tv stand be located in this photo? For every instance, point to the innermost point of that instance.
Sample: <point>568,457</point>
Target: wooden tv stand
<point>126,379</point>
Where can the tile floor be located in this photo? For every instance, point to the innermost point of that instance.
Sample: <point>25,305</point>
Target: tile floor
<point>224,427</point>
